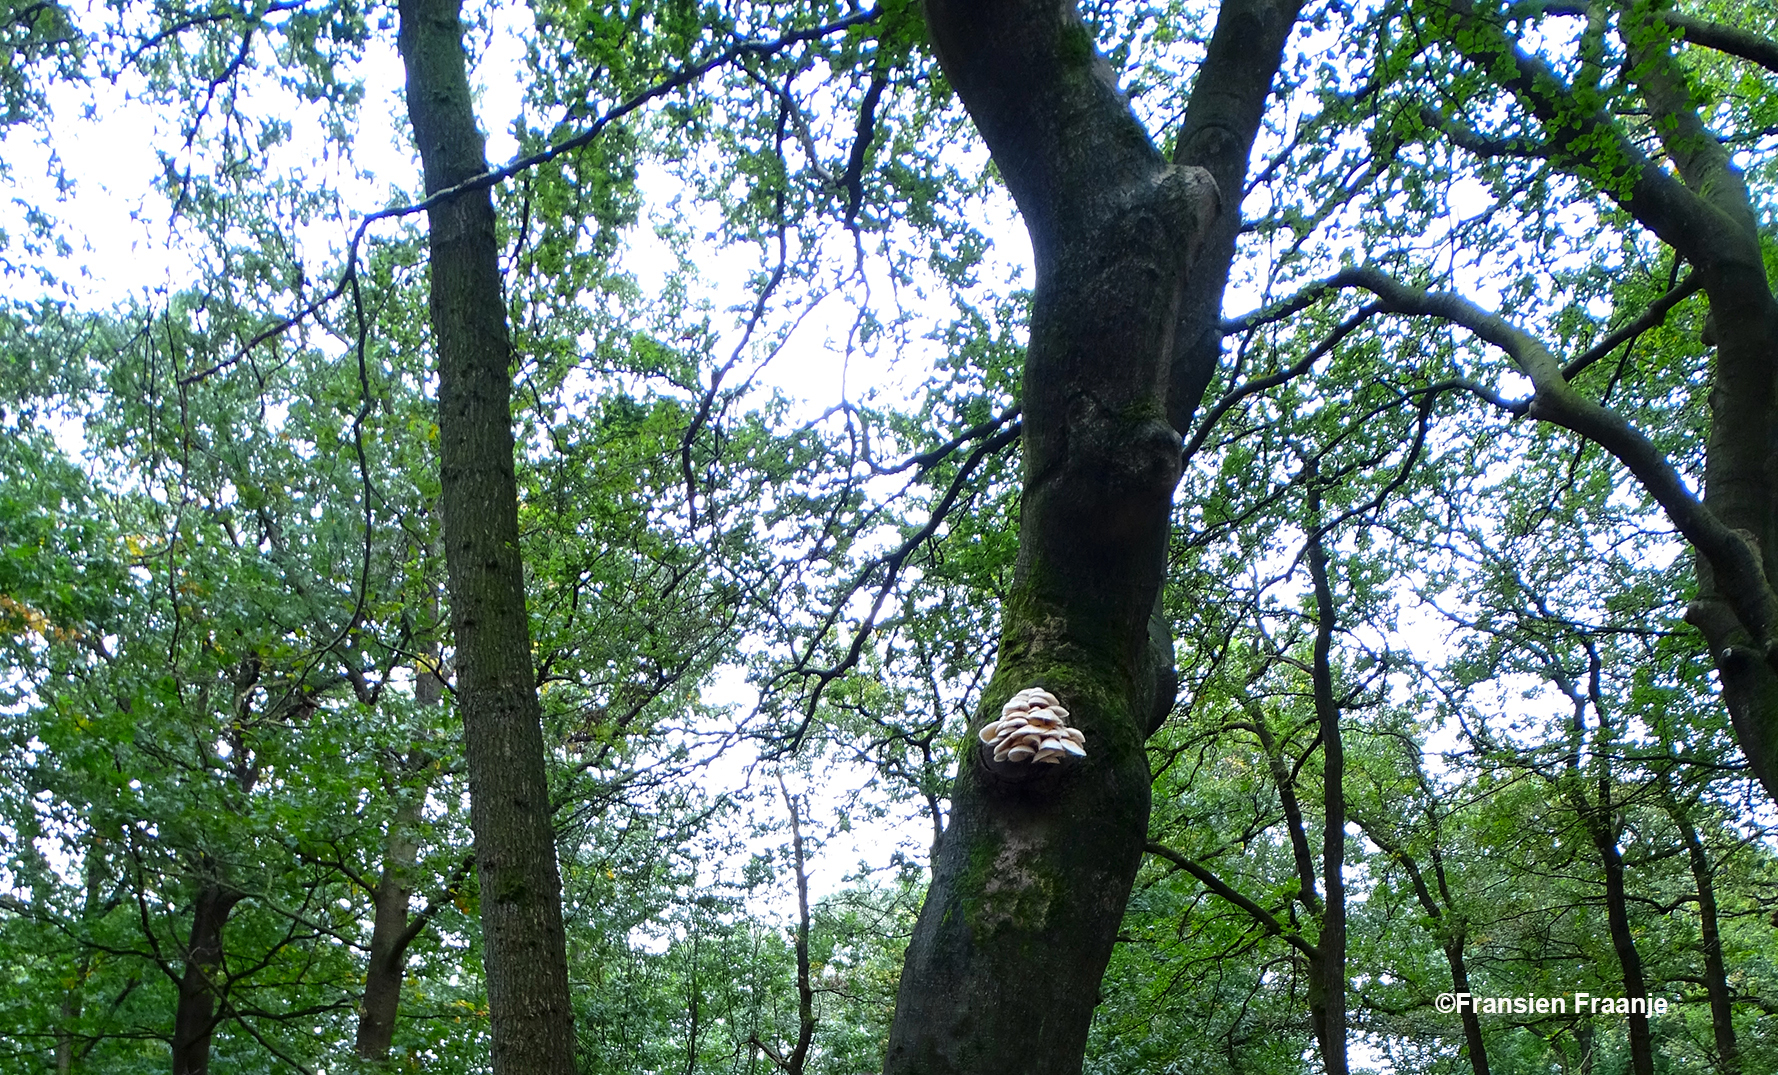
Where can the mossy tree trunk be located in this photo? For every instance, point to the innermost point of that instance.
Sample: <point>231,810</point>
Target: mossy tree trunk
<point>1030,878</point>
<point>521,905</point>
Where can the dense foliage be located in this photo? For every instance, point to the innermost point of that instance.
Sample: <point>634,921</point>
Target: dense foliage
<point>769,302</point>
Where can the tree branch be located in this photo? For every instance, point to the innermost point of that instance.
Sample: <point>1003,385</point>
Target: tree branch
<point>1215,884</point>
<point>1734,558</point>
<point>1655,315</point>
<point>1734,41</point>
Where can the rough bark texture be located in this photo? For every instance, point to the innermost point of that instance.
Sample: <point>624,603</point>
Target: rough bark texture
<point>524,944</point>
<point>195,1018</point>
<point>1031,876</point>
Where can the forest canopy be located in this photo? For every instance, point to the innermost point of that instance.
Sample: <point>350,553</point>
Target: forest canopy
<point>992,536</point>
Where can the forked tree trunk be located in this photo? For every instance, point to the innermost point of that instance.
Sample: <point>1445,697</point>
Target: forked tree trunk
<point>521,904</point>
<point>1030,878</point>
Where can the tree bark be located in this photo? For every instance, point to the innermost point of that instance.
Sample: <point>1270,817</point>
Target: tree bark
<point>1030,877</point>
<point>390,926</point>
<point>524,944</point>
<point>1222,118</point>
<point>1330,976</point>
<point>387,965</point>
<point>1716,977</point>
<point>194,1020</point>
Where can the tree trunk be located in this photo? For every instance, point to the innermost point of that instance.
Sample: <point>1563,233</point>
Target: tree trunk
<point>1737,605</point>
<point>74,999</point>
<point>1716,977</point>
<point>195,1018</point>
<point>388,938</point>
<point>1222,118</point>
<point>1623,941</point>
<point>524,945</point>
<point>390,933</point>
<point>1330,976</point>
<point>1452,935</point>
<point>1031,875</point>
<point>1598,818</point>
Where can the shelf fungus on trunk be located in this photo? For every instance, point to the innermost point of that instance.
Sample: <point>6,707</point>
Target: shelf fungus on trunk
<point>1033,727</point>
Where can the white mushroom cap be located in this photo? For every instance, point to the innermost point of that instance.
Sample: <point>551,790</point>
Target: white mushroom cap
<point>1033,726</point>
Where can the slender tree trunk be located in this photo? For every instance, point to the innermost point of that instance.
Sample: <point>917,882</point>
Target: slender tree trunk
<point>387,965</point>
<point>524,943</point>
<point>65,1036</point>
<point>1583,1046</point>
<point>1716,977</point>
<point>390,934</point>
<point>195,1018</point>
<point>805,991</point>
<point>1332,969</point>
<point>1321,972</point>
<point>1597,818</point>
<point>1032,873</point>
<point>1308,890</point>
<point>796,1060</point>
<point>1452,936</point>
<point>75,998</point>
<point>1623,941</point>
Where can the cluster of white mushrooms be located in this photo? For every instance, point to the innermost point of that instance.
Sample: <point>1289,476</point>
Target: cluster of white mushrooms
<point>1033,727</point>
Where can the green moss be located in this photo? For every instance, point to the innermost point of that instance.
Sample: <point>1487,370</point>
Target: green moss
<point>1076,47</point>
